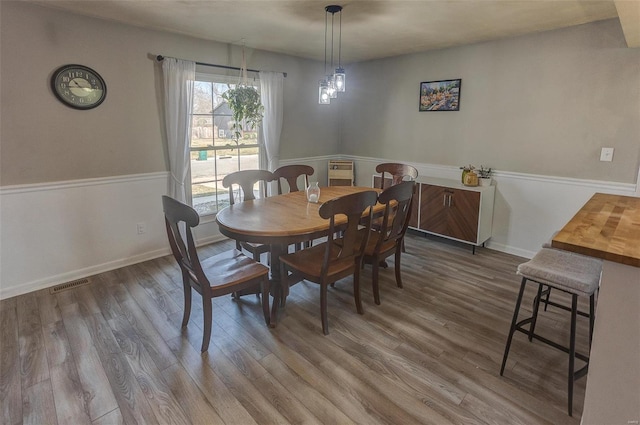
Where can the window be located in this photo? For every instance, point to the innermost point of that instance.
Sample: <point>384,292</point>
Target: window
<point>214,151</point>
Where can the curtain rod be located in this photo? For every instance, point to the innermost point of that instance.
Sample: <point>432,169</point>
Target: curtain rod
<point>160,58</point>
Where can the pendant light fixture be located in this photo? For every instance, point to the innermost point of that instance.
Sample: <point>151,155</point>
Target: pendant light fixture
<point>336,82</point>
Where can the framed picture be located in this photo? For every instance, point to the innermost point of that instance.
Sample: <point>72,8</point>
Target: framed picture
<point>440,95</point>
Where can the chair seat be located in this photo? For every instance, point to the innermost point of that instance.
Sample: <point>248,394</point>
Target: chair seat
<point>231,268</point>
<point>576,274</point>
<point>309,261</point>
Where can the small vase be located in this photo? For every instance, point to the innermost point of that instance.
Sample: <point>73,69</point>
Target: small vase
<point>313,192</point>
<point>464,174</point>
<point>484,181</point>
<point>470,179</point>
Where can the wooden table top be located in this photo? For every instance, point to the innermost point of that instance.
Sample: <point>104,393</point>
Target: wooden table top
<point>607,227</point>
<point>285,218</point>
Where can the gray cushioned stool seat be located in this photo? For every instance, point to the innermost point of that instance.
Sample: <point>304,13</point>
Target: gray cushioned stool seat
<point>573,273</point>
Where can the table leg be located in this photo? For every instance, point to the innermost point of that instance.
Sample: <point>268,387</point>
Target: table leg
<point>278,290</point>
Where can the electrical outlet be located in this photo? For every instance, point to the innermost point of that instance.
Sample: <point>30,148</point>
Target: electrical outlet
<point>606,154</point>
<point>142,228</point>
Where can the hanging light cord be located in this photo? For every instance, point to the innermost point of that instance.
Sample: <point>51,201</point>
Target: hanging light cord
<point>340,42</point>
<point>325,42</point>
<point>332,16</point>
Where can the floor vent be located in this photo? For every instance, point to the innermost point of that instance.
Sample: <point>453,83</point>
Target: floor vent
<point>69,285</point>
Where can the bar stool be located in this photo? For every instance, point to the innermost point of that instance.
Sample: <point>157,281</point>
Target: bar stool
<point>546,291</point>
<point>577,275</point>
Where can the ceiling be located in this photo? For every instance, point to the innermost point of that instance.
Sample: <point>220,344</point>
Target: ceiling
<point>370,29</point>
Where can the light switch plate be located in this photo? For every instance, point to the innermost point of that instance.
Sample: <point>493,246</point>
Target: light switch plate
<point>606,154</point>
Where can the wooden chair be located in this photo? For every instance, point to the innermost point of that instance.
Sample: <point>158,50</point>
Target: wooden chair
<point>243,182</point>
<point>329,262</point>
<point>396,172</point>
<point>219,275</point>
<point>291,173</point>
<point>389,238</point>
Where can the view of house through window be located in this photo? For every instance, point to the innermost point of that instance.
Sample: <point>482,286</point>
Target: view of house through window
<point>214,150</point>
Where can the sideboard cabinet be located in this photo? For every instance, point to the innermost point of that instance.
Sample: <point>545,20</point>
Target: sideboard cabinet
<point>447,208</point>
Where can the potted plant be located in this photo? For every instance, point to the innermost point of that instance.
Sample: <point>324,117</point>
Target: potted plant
<point>246,108</point>
<point>484,174</point>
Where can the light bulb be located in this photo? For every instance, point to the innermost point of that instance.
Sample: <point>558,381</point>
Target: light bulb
<point>340,80</point>
<point>331,87</point>
<point>323,93</point>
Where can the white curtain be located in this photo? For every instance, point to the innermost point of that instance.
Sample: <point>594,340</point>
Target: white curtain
<point>271,96</point>
<point>179,77</point>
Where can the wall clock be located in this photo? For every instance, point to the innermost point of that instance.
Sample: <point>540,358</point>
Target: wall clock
<point>78,86</point>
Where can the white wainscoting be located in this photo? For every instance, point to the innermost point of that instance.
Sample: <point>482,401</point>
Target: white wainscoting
<point>528,208</point>
<point>56,232</point>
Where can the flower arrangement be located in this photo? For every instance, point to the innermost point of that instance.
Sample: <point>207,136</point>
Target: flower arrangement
<point>485,172</point>
<point>482,173</point>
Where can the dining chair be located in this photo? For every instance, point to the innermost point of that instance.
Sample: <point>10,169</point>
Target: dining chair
<point>243,183</point>
<point>329,262</point>
<point>291,173</point>
<point>222,274</point>
<point>389,238</point>
<point>396,172</point>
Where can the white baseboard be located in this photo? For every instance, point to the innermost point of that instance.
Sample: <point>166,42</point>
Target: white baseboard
<point>49,281</point>
<point>510,250</point>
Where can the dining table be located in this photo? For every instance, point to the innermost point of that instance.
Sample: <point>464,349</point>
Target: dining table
<point>280,221</point>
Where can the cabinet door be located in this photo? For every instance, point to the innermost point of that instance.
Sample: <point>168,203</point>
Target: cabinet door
<point>464,211</point>
<point>434,208</point>
<point>450,212</point>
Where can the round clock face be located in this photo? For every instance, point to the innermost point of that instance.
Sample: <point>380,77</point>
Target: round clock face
<point>78,86</point>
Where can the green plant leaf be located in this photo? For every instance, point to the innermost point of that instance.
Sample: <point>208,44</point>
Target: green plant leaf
<point>245,105</point>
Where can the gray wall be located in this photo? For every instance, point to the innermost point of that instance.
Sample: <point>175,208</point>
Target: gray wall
<point>541,104</point>
<point>42,140</point>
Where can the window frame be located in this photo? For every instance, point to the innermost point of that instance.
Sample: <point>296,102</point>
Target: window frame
<point>216,178</point>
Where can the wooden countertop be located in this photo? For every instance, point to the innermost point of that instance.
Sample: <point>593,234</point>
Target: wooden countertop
<point>607,227</point>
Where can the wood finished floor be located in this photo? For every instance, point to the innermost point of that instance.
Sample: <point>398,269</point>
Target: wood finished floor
<point>114,352</point>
